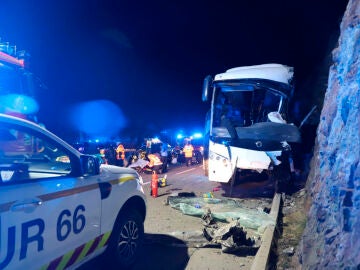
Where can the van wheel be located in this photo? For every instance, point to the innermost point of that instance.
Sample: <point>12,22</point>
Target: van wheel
<point>126,240</point>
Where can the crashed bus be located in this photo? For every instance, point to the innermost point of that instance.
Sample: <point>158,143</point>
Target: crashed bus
<point>246,126</point>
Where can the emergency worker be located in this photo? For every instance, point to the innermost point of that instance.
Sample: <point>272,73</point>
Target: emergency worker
<point>164,157</point>
<point>120,155</point>
<point>155,163</point>
<point>110,155</point>
<point>188,152</point>
<point>148,146</point>
<point>102,156</point>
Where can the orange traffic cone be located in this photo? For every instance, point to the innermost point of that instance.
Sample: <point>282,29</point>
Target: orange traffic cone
<point>154,184</point>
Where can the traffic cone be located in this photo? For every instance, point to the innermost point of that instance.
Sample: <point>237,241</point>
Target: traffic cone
<point>154,184</point>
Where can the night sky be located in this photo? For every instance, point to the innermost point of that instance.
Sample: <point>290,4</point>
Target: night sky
<point>150,57</point>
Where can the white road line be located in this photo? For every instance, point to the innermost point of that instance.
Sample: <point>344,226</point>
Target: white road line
<point>189,170</point>
<point>185,171</point>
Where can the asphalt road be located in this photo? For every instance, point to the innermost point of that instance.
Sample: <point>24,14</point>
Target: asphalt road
<point>166,229</point>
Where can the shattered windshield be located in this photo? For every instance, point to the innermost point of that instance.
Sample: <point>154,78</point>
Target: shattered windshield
<point>243,107</point>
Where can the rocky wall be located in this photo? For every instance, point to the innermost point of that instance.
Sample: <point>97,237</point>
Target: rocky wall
<point>331,239</point>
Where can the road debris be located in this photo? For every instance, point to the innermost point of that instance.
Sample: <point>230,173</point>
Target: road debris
<point>231,237</point>
<point>290,251</point>
<point>227,223</point>
<point>222,210</point>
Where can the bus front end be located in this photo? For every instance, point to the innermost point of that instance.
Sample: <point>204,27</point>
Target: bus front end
<point>247,121</point>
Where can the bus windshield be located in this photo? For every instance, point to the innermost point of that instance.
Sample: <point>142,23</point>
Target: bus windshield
<point>244,107</point>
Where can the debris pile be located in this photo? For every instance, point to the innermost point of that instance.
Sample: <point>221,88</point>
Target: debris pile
<point>227,222</point>
<point>231,237</point>
<point>222,210</point>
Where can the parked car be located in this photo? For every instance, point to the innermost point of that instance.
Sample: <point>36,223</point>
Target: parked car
<point>60,208</point>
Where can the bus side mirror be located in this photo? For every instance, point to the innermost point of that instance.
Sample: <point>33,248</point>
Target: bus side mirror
<point>206,87</point>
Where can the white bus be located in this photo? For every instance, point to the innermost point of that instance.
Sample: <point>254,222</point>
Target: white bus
<point>246,126</point>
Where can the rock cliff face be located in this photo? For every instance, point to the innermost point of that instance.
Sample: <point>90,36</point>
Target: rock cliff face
<point>331,239</point>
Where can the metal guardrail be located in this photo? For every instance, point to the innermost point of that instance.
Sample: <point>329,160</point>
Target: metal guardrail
<point>263,254</point>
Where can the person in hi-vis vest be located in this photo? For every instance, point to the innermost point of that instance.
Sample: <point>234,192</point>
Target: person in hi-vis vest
<point>188,152</point>
<point>120,155</point>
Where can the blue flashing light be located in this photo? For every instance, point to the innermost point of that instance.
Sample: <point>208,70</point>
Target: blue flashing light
<point>179,136</point>
<point>98,118</point>
<point>18,104</point>
<point>197,135</point>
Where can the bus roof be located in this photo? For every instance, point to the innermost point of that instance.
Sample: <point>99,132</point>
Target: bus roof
<point>274,72</point>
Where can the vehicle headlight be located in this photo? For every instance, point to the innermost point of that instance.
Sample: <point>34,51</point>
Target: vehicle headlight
<point>221,160</point>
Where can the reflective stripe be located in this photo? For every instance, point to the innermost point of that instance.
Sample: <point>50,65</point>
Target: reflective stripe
<point>65,193</point>
<point>93,246</point>
<point>66,258</point>
<point>76,255</point>
<point>52,196</point>
<point>122,180</point>
<point>104,240</point>
<point>84,250</point>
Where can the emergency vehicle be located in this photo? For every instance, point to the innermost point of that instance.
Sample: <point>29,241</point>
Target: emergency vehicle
<point>18,86</point>
<point>59,208</point>
<point>247,125</point>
